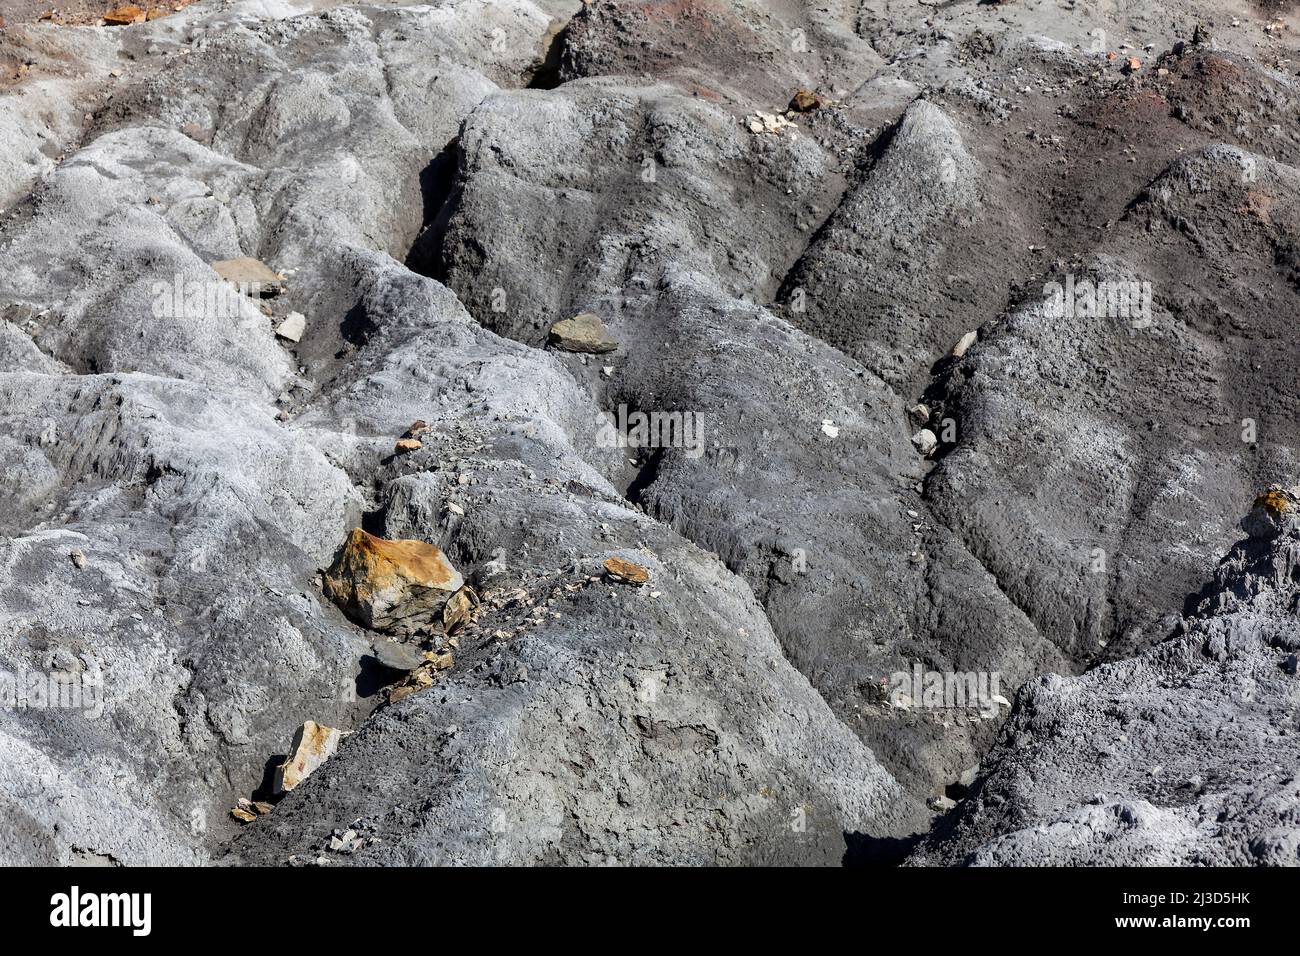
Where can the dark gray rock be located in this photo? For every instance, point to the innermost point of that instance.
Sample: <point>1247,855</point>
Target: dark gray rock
<point>1180,756</point>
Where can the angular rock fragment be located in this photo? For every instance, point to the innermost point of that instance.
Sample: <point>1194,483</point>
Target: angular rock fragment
<point>399,587</point>
<point>1274,512</point>
<point>122,16</point>
<point>964,344</point>
<point>439,660</point>
<point>459,608</point>
<point>398,657</point>
<point>769,123</point>
<point>252,276</point>
<point>292,327</point>
<point>423,676</point>
<point>248,810</point>
<point>405,445</point>
<point>805,101</point>
<point>926,442</point>
<point>626,571</point>
<point>585,332</point>
<point>348,841</point>
<point>313,744</point>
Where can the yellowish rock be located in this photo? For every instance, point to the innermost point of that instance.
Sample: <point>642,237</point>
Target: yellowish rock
<point>585,332</point>
<point>312,746</point>
<point>1274,500</point>
<point>399,587</point>
<point>122,16</point>
<point>459,609</point>
<point>253,276</point>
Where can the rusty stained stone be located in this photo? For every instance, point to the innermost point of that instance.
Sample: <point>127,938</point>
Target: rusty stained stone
<point>121,16</point>
<point>398,587</point>
<point>805,101</point>
<point>405,445</point>
<point>1274,500</point>
<point>1275,511</point>
<point>626,571</point>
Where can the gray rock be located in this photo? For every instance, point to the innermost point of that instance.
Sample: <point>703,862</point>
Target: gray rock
<point>398,657</point>
<point>1135,733</point>
<point>582,333</point>
<point>534,160</point>
<point>292,327</point>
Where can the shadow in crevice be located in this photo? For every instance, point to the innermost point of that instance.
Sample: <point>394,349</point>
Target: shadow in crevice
<point>861,849</point>
<point>793,280</point>
<point>374,676</point>
<point>646,476</point>
<point>437,183</point>
<point>375,522</point>
<point>265,791</point>
<point>548,74</point>
<point>356,327</point>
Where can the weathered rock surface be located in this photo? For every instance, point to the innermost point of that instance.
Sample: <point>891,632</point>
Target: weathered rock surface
<point>436,184</point>
<point>1181,756</point>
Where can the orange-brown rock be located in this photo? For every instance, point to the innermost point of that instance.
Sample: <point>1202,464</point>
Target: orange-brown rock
<point>1274,500</point>
<point>805,101</point>
<point>626,571</point>
<point>120,16</point>
<point>1275,511</point>
<point>399,587</point>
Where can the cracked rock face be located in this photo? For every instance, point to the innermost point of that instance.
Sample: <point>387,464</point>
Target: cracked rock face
<point>742,422</point>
